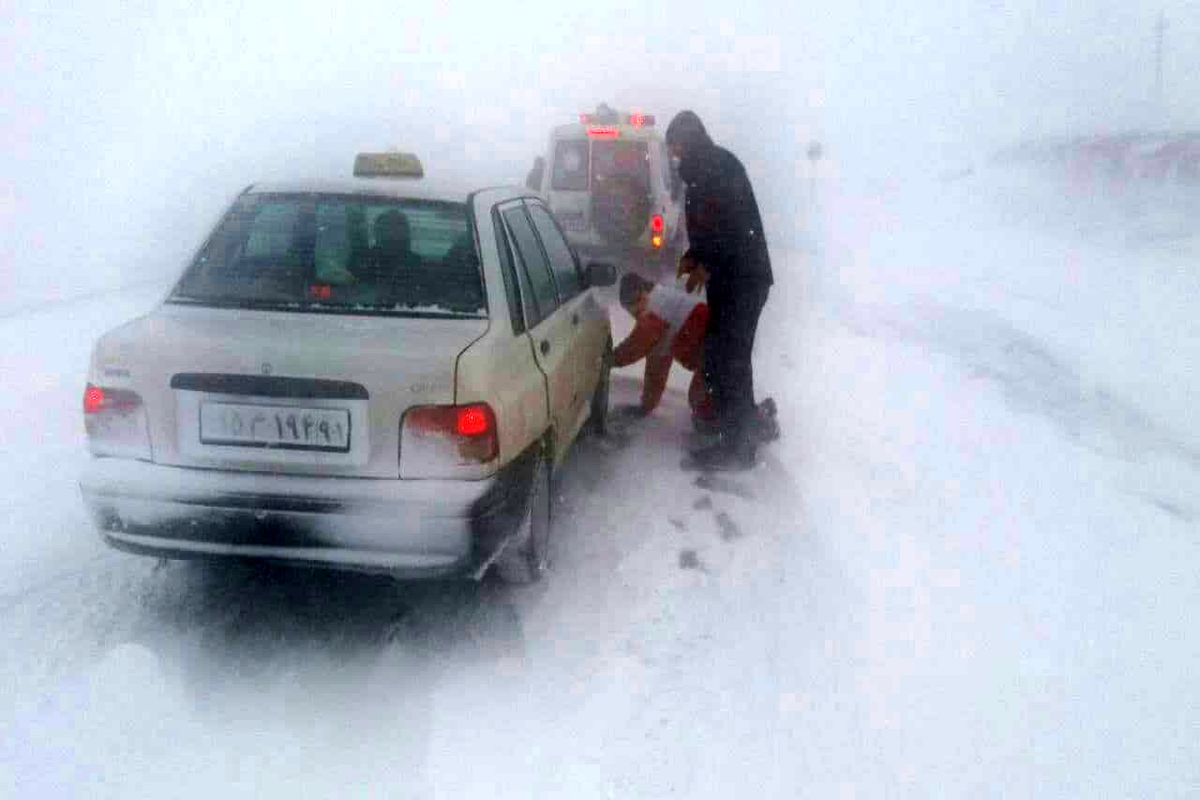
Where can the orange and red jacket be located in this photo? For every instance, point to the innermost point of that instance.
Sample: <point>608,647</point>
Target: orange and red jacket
<point>646,341</point>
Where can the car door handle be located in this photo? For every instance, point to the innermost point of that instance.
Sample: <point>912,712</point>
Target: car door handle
<point>545,347</point>
<point>574,319</point>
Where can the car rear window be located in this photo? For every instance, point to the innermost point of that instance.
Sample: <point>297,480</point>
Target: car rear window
<point>339,254</point>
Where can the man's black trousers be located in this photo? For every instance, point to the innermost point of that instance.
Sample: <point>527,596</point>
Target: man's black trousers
<point>733,312</point>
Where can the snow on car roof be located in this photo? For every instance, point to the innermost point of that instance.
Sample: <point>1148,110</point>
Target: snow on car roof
<point>407,188</point>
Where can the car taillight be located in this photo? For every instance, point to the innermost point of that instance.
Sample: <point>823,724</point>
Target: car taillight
<point>93,399</point>
<point>474,421</point>
<point>448,441</point>
<point>115,420</point>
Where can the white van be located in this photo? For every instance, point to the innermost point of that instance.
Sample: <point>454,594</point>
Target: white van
<point>609,181</point>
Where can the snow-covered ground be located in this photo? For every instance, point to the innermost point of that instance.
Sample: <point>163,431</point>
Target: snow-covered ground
<point>968,568</point>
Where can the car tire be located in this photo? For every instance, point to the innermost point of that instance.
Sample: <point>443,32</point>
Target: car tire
<point>526,557</point>
<point>598,419</point>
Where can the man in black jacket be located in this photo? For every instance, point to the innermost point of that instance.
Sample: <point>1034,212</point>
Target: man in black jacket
<point>728,253</point>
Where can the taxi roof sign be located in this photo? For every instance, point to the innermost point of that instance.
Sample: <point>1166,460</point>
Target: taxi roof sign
<point>392,164</point>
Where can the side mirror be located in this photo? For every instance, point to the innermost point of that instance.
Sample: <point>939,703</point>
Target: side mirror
<point>600,273</point>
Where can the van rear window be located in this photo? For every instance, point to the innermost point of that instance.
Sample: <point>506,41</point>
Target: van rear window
<point>626,161</point>
<point>570,170</point>
<point>581,164</point>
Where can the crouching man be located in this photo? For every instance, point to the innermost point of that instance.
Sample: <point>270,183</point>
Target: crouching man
<point>669,328</point>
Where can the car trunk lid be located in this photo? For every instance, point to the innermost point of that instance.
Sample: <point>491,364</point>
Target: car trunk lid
<point>285,392</point>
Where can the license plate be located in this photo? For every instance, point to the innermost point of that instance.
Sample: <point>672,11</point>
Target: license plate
<point>284,427</point>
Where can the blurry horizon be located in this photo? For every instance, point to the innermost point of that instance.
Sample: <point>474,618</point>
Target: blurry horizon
<point>129,126</point>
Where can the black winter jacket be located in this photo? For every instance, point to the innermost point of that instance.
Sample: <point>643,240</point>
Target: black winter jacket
<point>725,232</point>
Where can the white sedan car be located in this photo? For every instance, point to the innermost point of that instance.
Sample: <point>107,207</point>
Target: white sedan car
<point>368,374</point>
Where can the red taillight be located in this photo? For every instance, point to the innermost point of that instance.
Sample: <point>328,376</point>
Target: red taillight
<point>448,441</point>
<point>115,421</point>
<point>474,420</point>
<point>656,224</point>
<point>320,291</point>
<point>637,120</point>
<point>93,399</point>
<point>97,399</point>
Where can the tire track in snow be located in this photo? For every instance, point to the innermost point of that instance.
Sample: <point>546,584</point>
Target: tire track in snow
<point>1034,379</point>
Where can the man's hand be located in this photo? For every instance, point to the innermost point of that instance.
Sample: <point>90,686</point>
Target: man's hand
<point>686,265</point>
<point>697,278</point>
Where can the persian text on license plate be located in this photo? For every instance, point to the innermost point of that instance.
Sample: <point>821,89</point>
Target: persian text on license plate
<point>285,427</point>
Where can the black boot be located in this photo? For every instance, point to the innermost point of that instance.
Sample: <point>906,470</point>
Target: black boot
<point>766,426</point>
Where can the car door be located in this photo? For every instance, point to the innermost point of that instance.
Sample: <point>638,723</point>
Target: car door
<point>589,328</point>
<point>548,328</point>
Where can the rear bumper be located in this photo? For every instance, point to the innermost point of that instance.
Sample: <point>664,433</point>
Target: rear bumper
<point>405,527</point>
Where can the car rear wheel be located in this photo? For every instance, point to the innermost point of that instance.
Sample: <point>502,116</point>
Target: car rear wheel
<point>598,421</point>
<point>526,557</point>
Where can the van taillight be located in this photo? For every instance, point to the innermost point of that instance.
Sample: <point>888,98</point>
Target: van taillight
<point>657,226</point>
<point>448,441</point>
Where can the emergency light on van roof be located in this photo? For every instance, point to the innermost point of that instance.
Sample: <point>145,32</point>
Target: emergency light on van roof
<point>392,164</point>
<point>635,120</point>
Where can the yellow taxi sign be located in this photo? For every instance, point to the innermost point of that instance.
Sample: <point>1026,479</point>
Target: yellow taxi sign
<point>388,165</point>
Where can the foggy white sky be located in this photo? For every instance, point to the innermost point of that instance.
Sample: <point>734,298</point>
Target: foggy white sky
<point>127,125</point>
